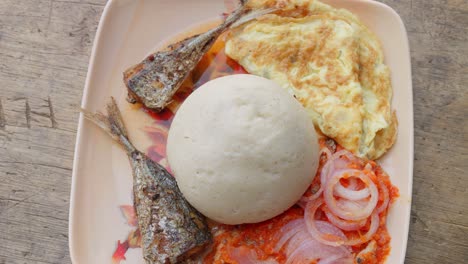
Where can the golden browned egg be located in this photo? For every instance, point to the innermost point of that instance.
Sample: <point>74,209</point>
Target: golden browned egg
<point>332,64</point>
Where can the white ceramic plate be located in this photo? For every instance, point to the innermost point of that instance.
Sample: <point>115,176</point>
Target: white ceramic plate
<point>130,29</point>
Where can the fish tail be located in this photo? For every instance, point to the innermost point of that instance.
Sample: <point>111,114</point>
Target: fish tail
<point>235,15</point>
<point>241,17</point>
<point>112,124</point>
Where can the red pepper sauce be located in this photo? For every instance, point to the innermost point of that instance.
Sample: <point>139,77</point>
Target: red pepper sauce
<point>260,237</point>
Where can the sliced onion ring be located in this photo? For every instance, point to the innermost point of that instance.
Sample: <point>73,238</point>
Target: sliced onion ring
<point>343,224</point>
<point>350,194</point>
<point>332,239</point>
<point>375,221</point>
<point>246,255</point>
<point>386,198</point>
<point>301,247</point>
<point>350,213</point>
<point>353,184</point>
<point>334,161</point>
<point>358,205</point>
<point>309,216</point>
<point>288,231</point>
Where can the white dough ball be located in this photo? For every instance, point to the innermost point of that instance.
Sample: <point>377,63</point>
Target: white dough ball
<point>242,149</point>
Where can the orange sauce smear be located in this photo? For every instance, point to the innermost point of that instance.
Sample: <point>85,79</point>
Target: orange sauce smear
<point>263,236</point>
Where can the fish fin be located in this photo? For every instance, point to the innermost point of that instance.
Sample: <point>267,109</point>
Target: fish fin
<point>112,123</point>
<point>253,15</point>
<point>232,5</point>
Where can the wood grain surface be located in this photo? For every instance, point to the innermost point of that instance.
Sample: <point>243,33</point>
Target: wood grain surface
<point>44,52</point>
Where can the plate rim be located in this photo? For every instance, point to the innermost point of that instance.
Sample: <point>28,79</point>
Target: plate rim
<point>84,101</point>
<point>79,132</point>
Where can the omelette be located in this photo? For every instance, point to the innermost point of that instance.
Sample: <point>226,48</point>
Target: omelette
<point>331,62</point>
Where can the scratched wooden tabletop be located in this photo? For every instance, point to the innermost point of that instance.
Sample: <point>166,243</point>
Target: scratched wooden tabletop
<point>44,51</point>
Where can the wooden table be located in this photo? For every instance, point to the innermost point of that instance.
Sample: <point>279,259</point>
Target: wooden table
<point>44,52</point>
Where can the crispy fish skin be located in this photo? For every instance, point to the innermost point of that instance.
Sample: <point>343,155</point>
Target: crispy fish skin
<point>172,230</point>
<point>155,80</point>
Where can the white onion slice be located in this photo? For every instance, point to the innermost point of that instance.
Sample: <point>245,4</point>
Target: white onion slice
<point>386,197</point>
<point>288,231</point>
<point>351,194</point>
<point>303,248</point>
<point>349,213</point>
<point>352,205</point>
<point>375,221</point>
<point>312,250</point>
<point>353,184</point>
<point>323,179</point>
<point>315,195</point>
<point>303,201</point>
<point>299,239</point>
<point>334,162</point>
<point>306,250</point>
<point>325,173</point>
<point>311,224</point>
<point>328,228</point>
<point>249,256</point>
<point>346,225</point>
<point>331,238</point>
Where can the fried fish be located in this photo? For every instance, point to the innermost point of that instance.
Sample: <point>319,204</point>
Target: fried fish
<point>155,80</point>
<point>171,229</point>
